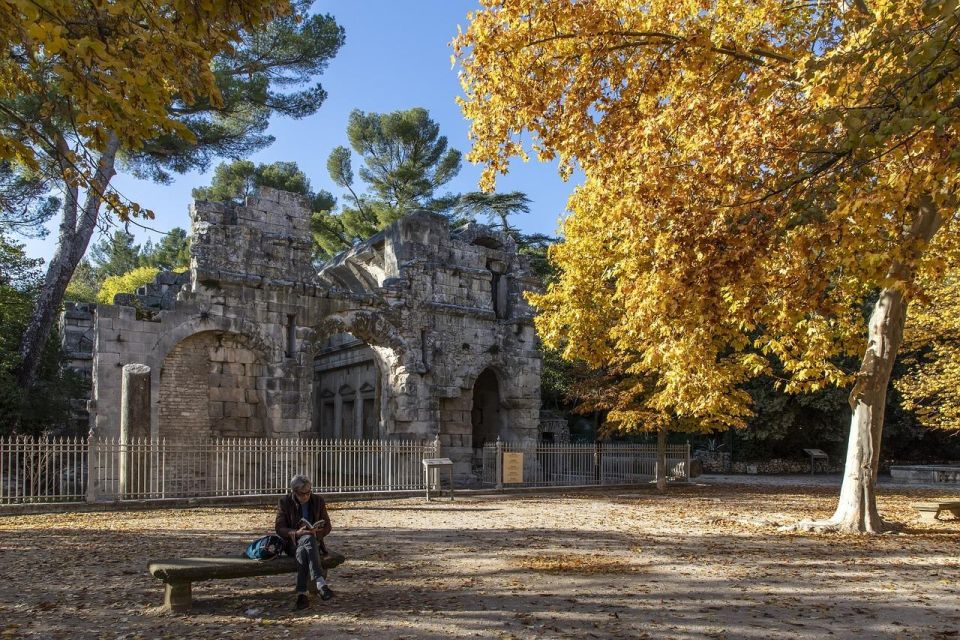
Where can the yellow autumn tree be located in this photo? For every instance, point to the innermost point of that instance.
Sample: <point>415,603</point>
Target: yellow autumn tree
<point>84,82</point>
<point>122,62</point>
<point>128,282</point>
<point>930,387</point>
<point>756,171</point>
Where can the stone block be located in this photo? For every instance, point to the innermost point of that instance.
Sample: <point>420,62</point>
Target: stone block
<point>227,394</point>
<point>242,410</point>
<point>108,359</point>
<point>234,368</point>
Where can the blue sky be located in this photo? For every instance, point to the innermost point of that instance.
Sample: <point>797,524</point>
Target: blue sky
<point>396,56</point>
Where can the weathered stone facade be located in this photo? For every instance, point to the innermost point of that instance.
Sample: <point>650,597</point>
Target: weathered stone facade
<point>252,341</point>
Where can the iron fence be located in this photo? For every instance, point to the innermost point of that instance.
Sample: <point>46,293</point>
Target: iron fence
<point>42,469</point>
<point>578,465</point>
<point>36,470</point>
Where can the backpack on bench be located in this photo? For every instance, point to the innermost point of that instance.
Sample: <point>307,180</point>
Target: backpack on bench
<point>265,548</point>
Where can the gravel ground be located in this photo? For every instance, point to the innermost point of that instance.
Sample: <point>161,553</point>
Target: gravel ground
<point>702,561</point>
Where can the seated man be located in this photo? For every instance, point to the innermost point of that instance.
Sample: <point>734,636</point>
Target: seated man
<point>296,511</point>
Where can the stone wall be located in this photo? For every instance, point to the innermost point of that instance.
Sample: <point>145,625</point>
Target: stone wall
<point>775,466</point>
<point>184,395</point>
<point>209,388</point>
<point>554,427</point>
<point>434,308</point>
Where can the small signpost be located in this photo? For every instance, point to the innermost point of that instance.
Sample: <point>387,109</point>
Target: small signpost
<point>512,468</point>
<point>436,464</point>
<point>815,454</point>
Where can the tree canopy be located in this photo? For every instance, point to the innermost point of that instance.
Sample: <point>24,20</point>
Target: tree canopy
<point>114,255</point>
<point>755,171</point>
<point>233,182</point>
<point>170,253</point>
<point>114,67</point>
<point>405,162</point>
<point>930,385</point>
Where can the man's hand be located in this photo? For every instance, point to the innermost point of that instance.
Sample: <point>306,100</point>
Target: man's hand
<point>302,531</point>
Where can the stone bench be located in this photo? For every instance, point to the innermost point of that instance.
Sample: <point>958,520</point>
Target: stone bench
<point>179,574</point>
<point>930,510</point>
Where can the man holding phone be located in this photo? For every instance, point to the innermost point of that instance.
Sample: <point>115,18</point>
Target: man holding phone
<point>303,522</point>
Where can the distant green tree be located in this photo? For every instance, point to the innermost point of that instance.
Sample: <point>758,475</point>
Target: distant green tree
<point>405,159</point>
<point>84,284</point>
<point>171,253</point>
<point>495,207</point>
<point>405,162</point>
<point>114,255</point>
<point>235,181</point>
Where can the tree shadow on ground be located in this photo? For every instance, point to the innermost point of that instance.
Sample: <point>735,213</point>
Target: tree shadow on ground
<point>578,572</point>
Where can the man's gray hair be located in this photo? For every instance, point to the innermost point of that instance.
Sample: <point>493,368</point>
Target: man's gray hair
<point>298,482</point>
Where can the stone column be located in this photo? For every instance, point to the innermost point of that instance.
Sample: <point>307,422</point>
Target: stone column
<point>134,427</point>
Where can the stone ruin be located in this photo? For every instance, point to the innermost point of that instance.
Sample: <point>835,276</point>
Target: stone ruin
<point>418,331</point>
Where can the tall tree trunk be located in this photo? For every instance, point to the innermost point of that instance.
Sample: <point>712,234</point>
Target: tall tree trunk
<point>662,459</point>
<point>857,507</point>
<point>76,229</point>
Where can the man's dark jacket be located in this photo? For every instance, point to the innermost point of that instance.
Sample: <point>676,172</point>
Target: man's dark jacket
<point>288,520</point>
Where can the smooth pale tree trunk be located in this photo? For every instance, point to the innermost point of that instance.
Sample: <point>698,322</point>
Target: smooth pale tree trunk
<point>76,228</point>
<point>857,507</point>
<point>662,459</point>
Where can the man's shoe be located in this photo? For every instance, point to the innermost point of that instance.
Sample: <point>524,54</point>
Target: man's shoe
<point>326,593</point>
<point>302,601</point>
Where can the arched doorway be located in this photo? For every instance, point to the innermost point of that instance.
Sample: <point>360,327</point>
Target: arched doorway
<point>485,415</point>
<point>346,390</point>
<point>209,387</point>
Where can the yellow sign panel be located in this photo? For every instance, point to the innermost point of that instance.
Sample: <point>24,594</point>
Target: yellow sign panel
<point>512,468</point>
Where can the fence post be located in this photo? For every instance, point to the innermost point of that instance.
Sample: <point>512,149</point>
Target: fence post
<point>597,462</point>
<point>687,467</point>
<point>499,464</point>
<point>92,461</point>
<point>436,471</point>
<point>389,453</point>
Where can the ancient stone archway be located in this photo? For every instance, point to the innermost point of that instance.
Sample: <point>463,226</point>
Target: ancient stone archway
<point>347,389</point>
<point>355,353</point>
<point>210,387</point>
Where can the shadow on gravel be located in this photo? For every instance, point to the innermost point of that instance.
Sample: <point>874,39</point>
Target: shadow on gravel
<point>485,576</point>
